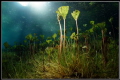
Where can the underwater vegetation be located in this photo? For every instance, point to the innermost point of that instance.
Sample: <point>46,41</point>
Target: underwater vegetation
<point>88,54</point>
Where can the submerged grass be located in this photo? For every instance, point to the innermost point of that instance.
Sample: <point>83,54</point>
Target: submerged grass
<point>71,65</point>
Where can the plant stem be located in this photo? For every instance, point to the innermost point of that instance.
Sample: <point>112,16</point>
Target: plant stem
<point>64,35</point>
<point>77,29</point>
<point>60,40</point>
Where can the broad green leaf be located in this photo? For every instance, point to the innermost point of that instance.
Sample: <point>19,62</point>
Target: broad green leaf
<point>75,14</point>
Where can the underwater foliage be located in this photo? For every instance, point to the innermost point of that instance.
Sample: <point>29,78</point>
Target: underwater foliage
<point>75,14</point>
<point>111,19</point>
<point>85,54</point>
<point>54,36</point>
<point>101,25</point>
<point>42,36</point>
<point>29,37</point>
<point>73,36</point>
<point>92,22</point>
<point>63,11</point>
<point>48,41</point>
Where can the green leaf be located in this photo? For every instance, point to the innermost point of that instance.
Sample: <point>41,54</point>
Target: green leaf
<point>54,36</point>
<point>48,41</point>
<point>29,36</point>
<point>101,25</point>
<point>91,30</point>
<point>111,19</point>
<point>75,14</point>
<point>92,22</point>
<point>84,25</point>
<point>73,36</point>
<point>63,11</point>
<point>42,36</point>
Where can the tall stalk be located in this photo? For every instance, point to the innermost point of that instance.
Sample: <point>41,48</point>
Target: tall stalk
<point>104,42</point>
<point>75,15</point>
<point>64,36</point>
<point>60,34</point>
<point>77,29</point>
<point>62,11</point>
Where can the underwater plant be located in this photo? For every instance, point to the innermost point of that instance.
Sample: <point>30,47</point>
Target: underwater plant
<point>91,3</point>
<point>42,37</point>
<point>110,20</point>
<point>58,18</point>
<point>84,25</point>
<point>29,37</point>
<point>92,22</point>
<point>49,62</point>
<point>48,41</point>
<point>75,15</point>
<point>63,11</point>
<point>86,36</point>
<point>92,32</point>
<point>49,50</point>
<point>32,39</point>
<point>35,39</point>
<point>104,44</point>
<point>73,36</point>
<point>54,36</point>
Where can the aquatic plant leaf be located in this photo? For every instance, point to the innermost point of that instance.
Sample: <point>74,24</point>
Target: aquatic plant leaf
<point>111,19</point>
<point>73,36</point>
<point>101,25</point>
<point>96,26</point>
<point>48,41</point>
<point>54,36</point>
<point>91,30</point>
<point>84,25</point>
<point>48,50</point>
<point>48,37</point>
<point>29,36</point>
<point>63,11</point>
<point>92,22</point>
<point>34,38</point>
<point>75,14</point>
<point>42,36</point>
<point>91,3</point>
